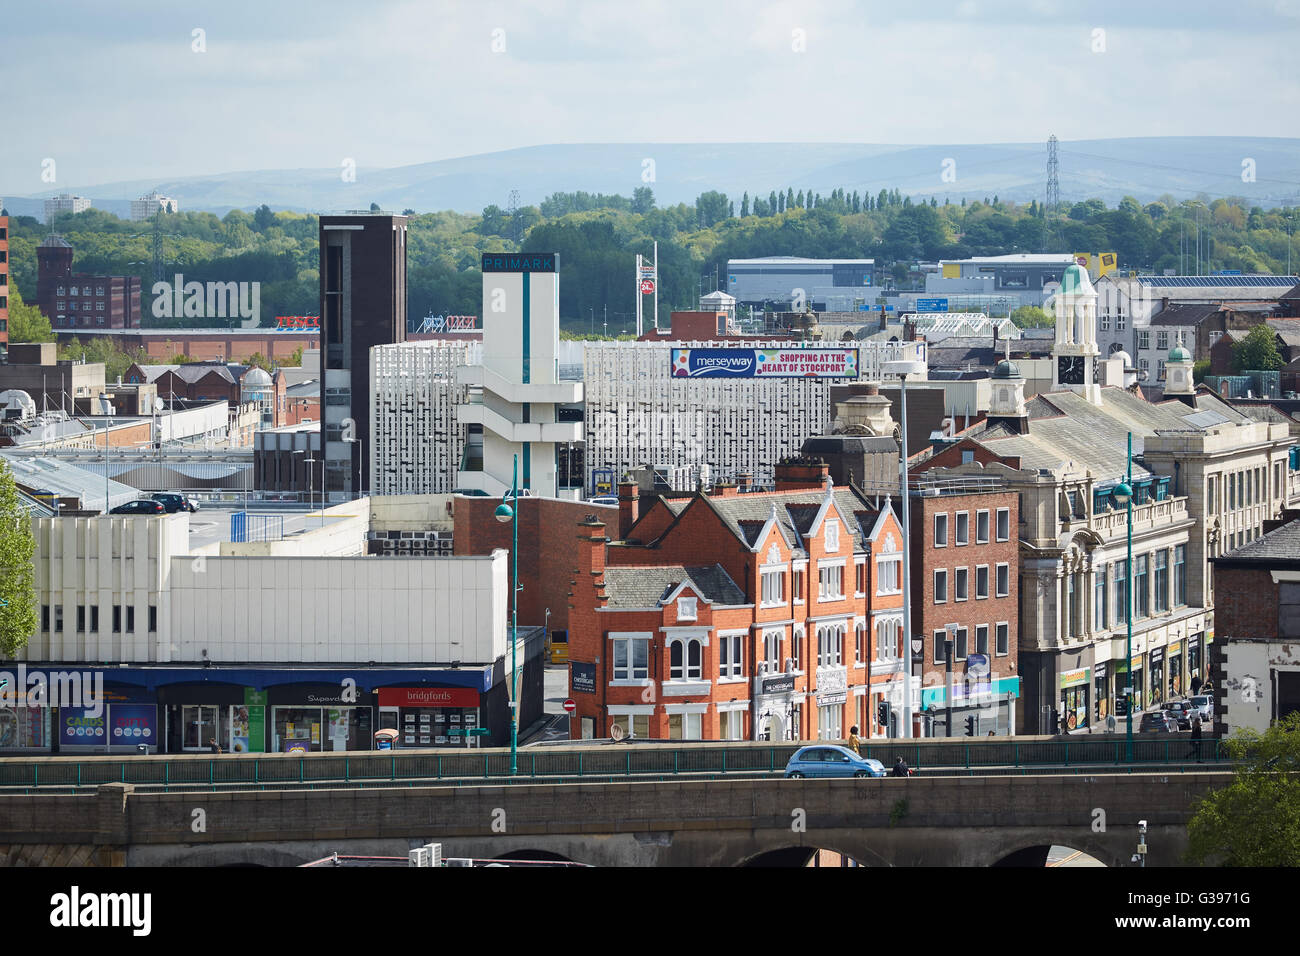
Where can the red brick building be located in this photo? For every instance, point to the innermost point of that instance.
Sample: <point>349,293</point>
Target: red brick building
<point>774,615</point>
<point>965,576</point>
<point>204,345</point>
<point>80,302</point>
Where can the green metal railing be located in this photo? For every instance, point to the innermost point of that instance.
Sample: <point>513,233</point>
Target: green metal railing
<point>621,761</point>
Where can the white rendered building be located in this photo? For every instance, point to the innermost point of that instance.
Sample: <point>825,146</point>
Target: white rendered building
<point>516,391</point>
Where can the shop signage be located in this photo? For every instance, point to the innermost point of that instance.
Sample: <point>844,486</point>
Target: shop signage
<point>1080,675</point>
<point>76,729</point>
<point>832,687</point>
<point>1209,636</point>
<point>469,732</point>
<point>132,723</point>
<point>428,697</point>
<point>1157,655</point>
<point>521,262</point>
<point>1193,641</point>
<point>1176,649</point>
<point>777,685</point>
<point>582,678</point>
<point>764,363</point>
<point>1137,662</point>
<point>1099,671</point>
<point>297,323</point>
<point>977,665</point>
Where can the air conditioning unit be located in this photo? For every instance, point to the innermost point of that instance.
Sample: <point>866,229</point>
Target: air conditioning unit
<point>427,855</point>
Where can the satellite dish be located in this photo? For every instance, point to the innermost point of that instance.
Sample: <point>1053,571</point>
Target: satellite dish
<point>159,405</point>
<point>616,732</point>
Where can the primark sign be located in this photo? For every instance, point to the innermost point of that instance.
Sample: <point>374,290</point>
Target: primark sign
<point>521,262</point>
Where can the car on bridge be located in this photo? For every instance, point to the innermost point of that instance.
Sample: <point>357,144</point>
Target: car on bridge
<point>1159,721</point>
<point>828,760</point>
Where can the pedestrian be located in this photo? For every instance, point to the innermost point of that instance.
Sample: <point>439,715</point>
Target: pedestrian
<point>900,768</point>
<point>1196,738</point>
<point>1110,723</point>
<point>213,746</point>
<point>1196,685</point>
<point>854,742</point>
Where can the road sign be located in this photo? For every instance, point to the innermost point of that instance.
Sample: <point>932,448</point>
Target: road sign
<point>647,286</point>
<point>932,305</point>
<point>570,705</point>
<point>456,732</point>
<point>477,731</point>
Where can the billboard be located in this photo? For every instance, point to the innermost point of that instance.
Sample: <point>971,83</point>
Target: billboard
<point>932,305</point>
<point>297,323</point>
<point>764,363</point>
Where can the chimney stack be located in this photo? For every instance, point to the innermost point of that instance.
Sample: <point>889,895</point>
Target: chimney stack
<point>745,481</point>
<point>802,474</point>
<point>629,505</point>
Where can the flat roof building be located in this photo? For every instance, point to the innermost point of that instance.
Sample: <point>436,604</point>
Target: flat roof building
<point>785,282</point>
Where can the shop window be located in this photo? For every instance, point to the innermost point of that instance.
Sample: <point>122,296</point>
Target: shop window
<point>684,727</point>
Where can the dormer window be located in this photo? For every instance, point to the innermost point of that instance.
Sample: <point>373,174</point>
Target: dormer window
<point>686,608</point>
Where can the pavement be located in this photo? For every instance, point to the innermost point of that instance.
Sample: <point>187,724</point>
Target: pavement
<point>555,725</point>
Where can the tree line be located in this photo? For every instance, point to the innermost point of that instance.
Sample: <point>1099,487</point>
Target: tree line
<point>598,236</point>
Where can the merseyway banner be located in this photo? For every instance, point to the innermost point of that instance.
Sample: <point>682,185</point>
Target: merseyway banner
<point>764,363</point>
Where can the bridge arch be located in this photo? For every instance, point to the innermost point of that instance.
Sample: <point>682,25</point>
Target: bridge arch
<point>1043,856</point>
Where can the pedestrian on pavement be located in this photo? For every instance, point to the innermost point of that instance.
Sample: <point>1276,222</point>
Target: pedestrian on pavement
<point>854,742</point>
<point>1196,738</point>
<point>1110,723</point>
<point>1196,685</point>
<point>900,768</point>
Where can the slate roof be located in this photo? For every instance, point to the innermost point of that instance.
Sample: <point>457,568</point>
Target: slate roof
<point>1066,428</point>
<point>1184,315</point>
<point>1279,546</point>
<point>643,587</point>
<point>746,514</point>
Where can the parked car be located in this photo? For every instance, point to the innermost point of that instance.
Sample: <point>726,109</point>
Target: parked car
<point>1180,712</point>
<point>1157,721</point>
<point>145,506</point>
<point>1203,704</point>
<point>174,503</point>
<point>828,760</point>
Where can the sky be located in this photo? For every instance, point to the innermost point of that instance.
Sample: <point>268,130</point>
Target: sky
<point>140,90</point>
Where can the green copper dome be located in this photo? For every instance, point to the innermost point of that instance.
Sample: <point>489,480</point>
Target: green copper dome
<point>1179,354</point>
<point>1006,369</point>
<point>1075,280</point>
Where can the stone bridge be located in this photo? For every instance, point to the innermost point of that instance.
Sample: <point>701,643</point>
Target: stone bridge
<point>922,821</point>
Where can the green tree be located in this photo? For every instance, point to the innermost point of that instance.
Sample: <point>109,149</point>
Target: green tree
<point>17,573</point>
<point>27,323</point>
<point>1032,317</point>
<point>744,205</point>
<point>1200,370</point>
<point>643,200</point>
<point>1257,352</point>
<point>263,219</point>
<point>1255,820</point>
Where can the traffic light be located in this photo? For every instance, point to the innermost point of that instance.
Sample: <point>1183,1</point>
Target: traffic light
<point>970,726</point>
<point>882,715</point>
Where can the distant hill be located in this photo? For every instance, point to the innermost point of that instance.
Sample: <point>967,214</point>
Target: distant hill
<point>1106,169</point>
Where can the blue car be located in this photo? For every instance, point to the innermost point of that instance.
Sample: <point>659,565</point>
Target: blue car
<point>828,760</point>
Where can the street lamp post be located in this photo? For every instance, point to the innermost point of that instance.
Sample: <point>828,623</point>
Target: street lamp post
<point>903,368</point>
<point>504,513</point>
<point>361,458</point>
<point>1124,495</point>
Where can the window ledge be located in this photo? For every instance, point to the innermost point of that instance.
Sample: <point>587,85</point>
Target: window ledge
<point>733,680</point>
<point>639,682</point>
<point>685,688</point>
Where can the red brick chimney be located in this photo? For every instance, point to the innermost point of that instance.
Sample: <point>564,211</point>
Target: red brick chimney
<point>725,489</point>
<point>802,474</point>
<point>629,506</point>
<point>745,482</point>
<point>591,560</point>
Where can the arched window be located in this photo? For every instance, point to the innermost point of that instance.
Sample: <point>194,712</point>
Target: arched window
<point>687,652</point>
<point>860,643</point>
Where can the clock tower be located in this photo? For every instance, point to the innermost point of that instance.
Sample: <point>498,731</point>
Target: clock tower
<point>1075,354</point>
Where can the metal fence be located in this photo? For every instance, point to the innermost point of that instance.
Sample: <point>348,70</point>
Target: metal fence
<point>619,761</point>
